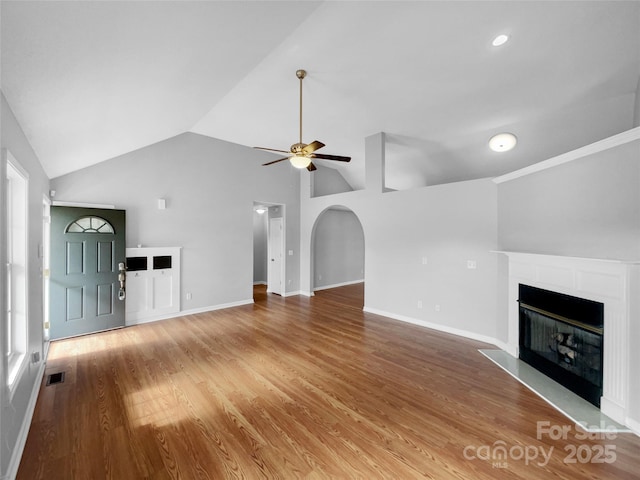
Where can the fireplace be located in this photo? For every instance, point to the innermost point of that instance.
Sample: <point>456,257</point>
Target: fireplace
<point>615,284</point>
<point>562,336</point>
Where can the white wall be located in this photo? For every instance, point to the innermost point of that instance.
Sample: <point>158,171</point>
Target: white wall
<point>210,187</point>
<point>16,410</point>
<point>446,224</point>
<point>586,208</point>
<point>328,181</point>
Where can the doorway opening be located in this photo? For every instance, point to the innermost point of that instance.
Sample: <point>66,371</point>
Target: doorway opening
<point>337,249</point>
<point>269,247</point>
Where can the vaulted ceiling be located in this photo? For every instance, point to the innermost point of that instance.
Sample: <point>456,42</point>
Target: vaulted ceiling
<point>91,80</point>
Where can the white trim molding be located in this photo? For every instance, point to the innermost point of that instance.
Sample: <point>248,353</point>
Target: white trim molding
<point>336,285</point>
<point>211,308</point>
<point>21,441</point>
<point>57,203</point>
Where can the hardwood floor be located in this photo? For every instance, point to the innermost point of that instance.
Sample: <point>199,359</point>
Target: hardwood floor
<point>299,388</point>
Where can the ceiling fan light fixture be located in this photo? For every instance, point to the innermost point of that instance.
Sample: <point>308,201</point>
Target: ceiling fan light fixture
<point>300,161</point>
<point>502,142</point>
<point>300,154</point>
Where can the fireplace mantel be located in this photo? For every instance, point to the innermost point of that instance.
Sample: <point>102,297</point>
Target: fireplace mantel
<point>610,281</point>
<point>511,253</point>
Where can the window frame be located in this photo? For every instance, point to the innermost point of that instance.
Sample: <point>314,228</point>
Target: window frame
<point>77,227</point>
<point>17,268</point>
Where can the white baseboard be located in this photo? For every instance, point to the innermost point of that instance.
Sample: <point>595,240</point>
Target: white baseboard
<point>506,347</point>
<point>16,456</point>
<point>260,283</point>
<point>612,409</point>
<point>192,311</point>
<point>336,285</point>
<point>211,308</point>
<point>634,425</point>
<point>442,328</point>
<point>291,294</point>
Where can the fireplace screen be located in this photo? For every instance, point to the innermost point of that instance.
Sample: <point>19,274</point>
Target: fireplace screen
<point>562,337</point>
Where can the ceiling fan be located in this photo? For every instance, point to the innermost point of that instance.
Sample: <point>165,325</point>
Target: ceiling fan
<point>300,154</point>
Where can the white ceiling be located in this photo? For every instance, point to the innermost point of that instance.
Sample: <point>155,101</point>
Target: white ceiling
<point>90,80</point>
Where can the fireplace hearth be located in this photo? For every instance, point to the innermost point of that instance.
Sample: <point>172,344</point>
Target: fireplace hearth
<point>562,336</point>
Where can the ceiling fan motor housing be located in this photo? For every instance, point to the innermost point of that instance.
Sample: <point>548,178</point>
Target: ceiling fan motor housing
<point>297,148</point>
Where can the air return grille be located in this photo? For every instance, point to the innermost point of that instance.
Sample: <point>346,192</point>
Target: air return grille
<point>55,378</point>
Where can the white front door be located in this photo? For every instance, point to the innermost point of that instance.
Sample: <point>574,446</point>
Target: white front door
<point>276,256</point>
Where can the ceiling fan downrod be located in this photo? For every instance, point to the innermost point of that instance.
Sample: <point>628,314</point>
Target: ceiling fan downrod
<point>301,74</point>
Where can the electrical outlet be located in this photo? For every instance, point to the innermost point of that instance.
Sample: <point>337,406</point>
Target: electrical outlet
<point>424,260</point>
<point>189,296</point>
<point>419,303</point>
<point>471,264</point>
<point>437,308</point>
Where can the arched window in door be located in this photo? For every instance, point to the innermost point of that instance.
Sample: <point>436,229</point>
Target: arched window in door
<point>90,224</point>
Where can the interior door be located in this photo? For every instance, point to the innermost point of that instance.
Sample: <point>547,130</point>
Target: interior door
<point>87,255</point>
<point>275,264</point>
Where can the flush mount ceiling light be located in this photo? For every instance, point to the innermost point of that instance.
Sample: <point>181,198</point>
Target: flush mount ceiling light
<point>260,210</point>
<point>503,142</point>
<point>500,40</point>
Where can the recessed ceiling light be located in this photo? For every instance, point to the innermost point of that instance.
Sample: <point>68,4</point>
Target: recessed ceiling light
<point>500,40</point>
<point>503,142</point>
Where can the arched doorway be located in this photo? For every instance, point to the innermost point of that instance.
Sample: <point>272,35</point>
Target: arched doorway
<point>337,249</point>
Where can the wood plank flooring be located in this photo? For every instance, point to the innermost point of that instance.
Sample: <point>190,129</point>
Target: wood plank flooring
<point>299,387</point>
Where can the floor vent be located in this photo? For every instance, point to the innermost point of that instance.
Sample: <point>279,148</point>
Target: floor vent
<point>55,378</point>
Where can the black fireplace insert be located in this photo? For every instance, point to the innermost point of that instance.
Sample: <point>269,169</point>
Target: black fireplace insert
<point>562,336</point>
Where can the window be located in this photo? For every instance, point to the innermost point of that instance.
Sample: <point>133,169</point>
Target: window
<point>89,225</point>
<point>16,285</point>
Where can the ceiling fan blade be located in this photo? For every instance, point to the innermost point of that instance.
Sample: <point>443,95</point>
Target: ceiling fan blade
<point>273,149</point>
<point>312,147</point>
<point>275,161</point>
<point>311,167</point>
<point>331,157</point>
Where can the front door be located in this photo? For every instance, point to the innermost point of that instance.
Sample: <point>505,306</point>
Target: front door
<point>87,250</point>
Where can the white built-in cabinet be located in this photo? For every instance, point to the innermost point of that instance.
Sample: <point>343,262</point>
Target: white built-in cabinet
<point>153,284</point>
